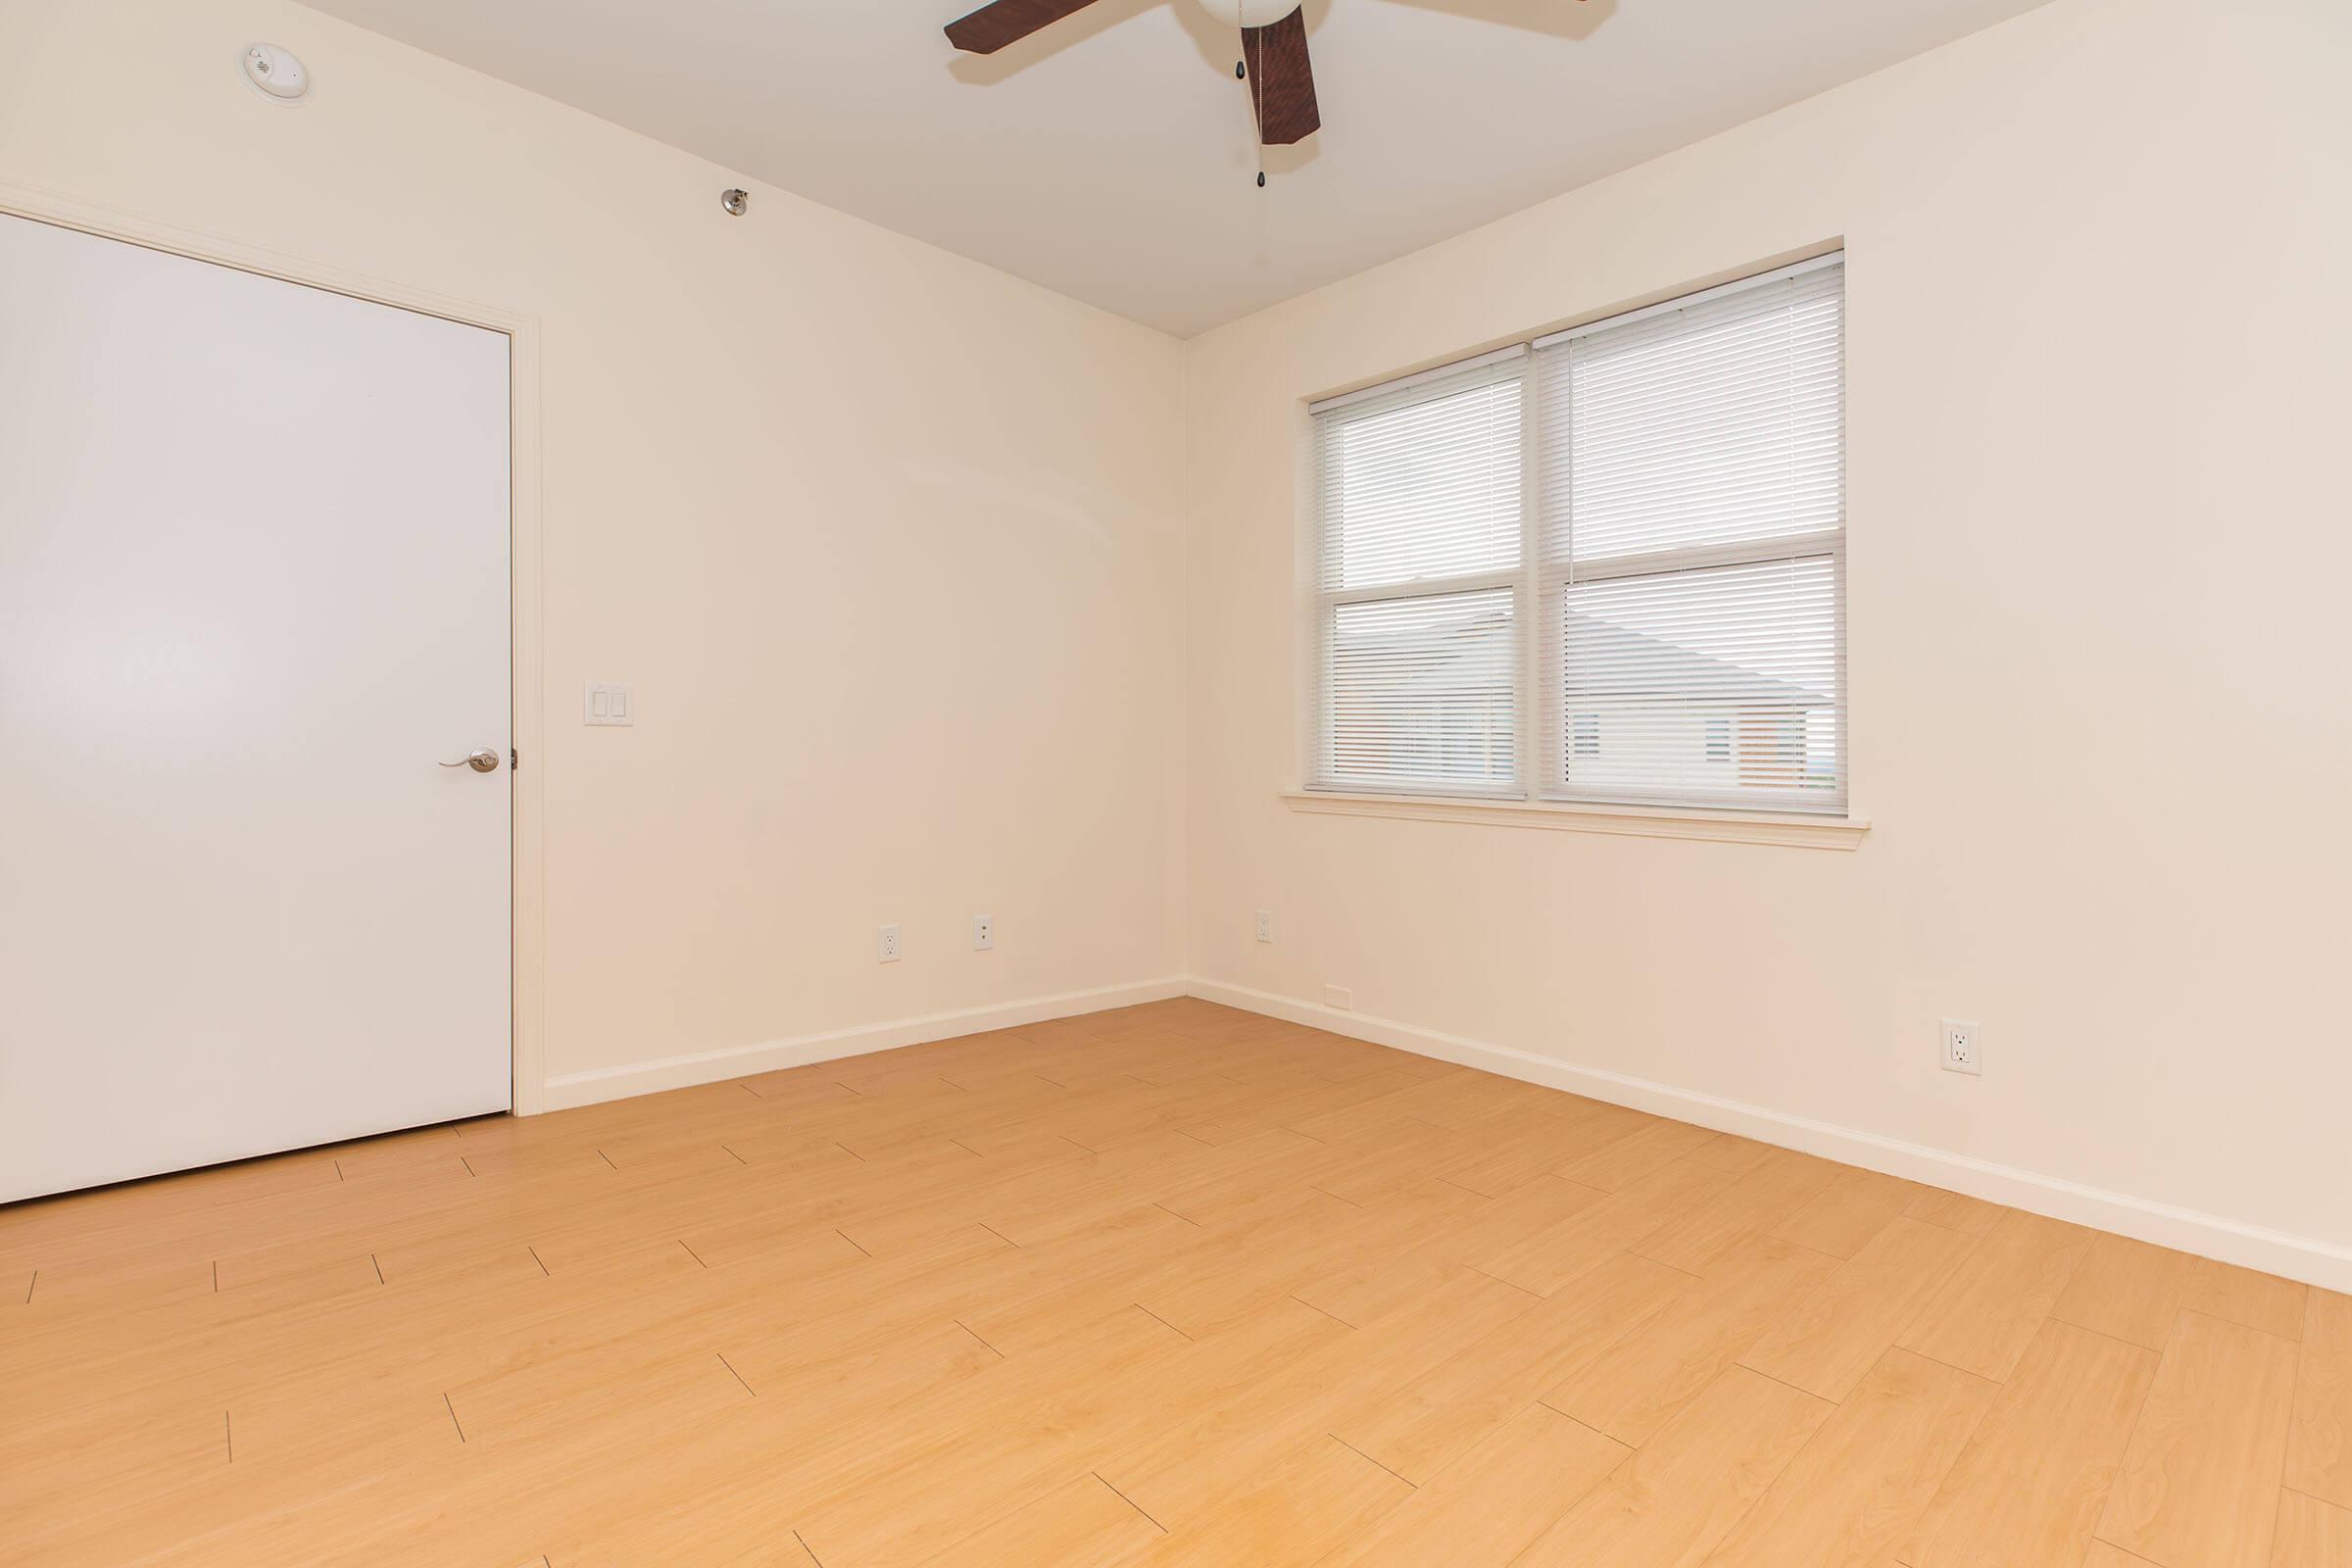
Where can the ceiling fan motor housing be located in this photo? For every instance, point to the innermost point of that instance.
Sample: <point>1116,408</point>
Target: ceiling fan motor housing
<point>1247,13</point>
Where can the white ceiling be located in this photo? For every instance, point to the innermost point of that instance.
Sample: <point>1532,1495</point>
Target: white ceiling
<point>1111,156</point>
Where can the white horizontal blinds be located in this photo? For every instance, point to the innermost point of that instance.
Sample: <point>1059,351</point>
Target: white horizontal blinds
<point>1720,422</point>
<point>1713,685</point>
<point>1424,693</point>
<point>1420,496</point>
<point>1691,487</point>
<point>1423,484</point>
<point>1683,606</point>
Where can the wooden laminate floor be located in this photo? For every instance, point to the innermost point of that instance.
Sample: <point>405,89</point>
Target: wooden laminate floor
<point>1174,1284</point>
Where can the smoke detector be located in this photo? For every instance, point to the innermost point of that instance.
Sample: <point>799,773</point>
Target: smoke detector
<point>275,74</point>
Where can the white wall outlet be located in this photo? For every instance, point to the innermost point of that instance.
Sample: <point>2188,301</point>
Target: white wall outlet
<point>1266,925</point>
<point>1963,1047</point>
<point>1339,997</point>
<point>984,932</point>
<point>886,943</point>
<point>607,702</point>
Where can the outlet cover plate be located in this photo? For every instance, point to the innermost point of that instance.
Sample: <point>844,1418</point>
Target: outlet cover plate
<point>1963,1047</point>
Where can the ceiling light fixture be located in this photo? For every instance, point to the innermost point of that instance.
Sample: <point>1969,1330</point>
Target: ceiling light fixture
<point>1251,12</point>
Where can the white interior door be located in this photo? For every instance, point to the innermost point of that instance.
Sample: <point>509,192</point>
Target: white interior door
<point>252,592</point>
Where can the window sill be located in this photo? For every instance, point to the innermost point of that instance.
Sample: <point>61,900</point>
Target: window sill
<point>1792,829</point>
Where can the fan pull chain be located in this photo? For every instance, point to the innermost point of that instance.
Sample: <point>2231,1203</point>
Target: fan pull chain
<point>1258,135</point>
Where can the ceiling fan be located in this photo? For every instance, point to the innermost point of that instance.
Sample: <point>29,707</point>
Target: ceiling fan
<point>1274,61</point>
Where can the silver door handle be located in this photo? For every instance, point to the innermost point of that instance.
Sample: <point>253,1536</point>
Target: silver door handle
<point>481,760</point>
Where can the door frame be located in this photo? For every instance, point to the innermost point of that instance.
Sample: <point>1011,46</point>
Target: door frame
<point>528,962</point>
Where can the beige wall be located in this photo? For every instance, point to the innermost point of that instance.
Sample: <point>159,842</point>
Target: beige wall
<point>882,536</point>
<point>2100,372</point>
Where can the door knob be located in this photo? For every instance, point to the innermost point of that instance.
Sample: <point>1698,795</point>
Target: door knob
<point>481,760</point>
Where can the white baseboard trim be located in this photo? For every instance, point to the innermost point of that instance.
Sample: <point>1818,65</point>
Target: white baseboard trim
<point>567,1090</point>
<point>2298,1258</point>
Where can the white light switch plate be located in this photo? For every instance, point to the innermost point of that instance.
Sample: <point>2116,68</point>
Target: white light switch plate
<point>607,703</point>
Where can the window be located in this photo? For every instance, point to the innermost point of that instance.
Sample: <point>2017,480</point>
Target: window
<point>1422,545</point>
<point>1608,566</point>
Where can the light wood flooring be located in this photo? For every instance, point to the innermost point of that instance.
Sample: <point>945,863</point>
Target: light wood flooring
<point>1173,1285</point>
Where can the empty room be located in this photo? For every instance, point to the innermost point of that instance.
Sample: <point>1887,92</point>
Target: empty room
<point>1175,783</point>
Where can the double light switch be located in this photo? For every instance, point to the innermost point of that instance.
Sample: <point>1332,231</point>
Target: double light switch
<point>607,703</point>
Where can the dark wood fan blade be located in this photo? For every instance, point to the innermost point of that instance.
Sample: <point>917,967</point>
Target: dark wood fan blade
<point>1282,81</point>
<point>993,26</point>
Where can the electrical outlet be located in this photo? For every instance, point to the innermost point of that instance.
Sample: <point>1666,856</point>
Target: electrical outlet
<point>1339,997</point>
<point>984,932</point>
<point>1963,1047</point>
<point>1266,925</point>
<point>886,945</point>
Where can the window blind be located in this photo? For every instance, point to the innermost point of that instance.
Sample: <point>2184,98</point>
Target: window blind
<point>1421,496</point>
<point>1719,422</point>
<point>1690,483</point>
<point>1611,570</point>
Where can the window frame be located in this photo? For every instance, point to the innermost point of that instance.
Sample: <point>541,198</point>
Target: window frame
<point>1329,602</point>
<point>1542,727</point>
